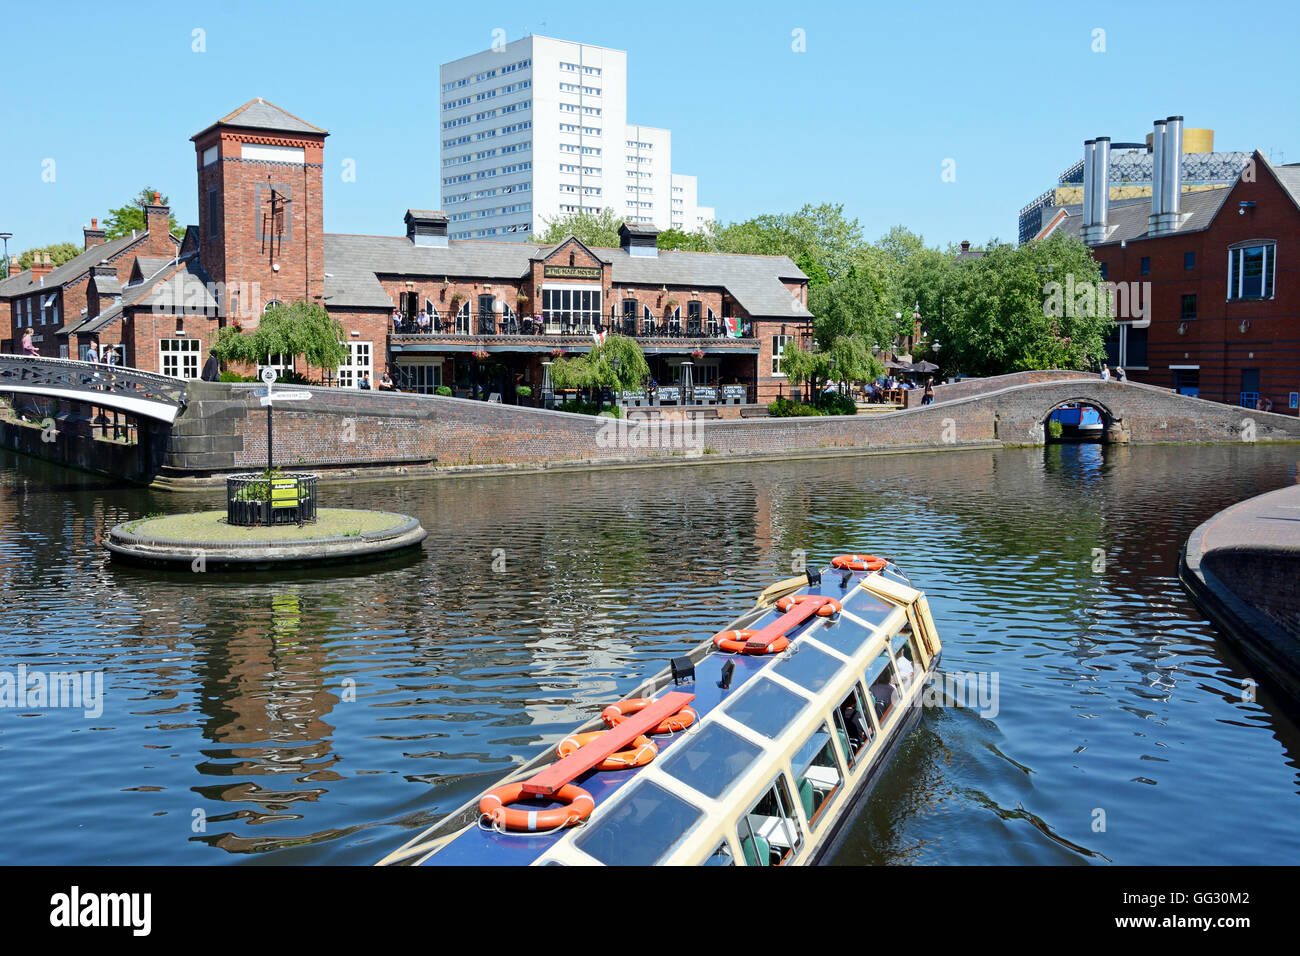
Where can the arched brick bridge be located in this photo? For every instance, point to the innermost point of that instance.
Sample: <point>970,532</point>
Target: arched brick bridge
<point>223,429</point>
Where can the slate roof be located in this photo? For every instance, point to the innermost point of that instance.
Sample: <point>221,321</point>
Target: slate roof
<point>352,263</point>
<point>1289,177</point>
<point>167,284</point>
<point>1128,218</point>
<point>74,268</point>
<point>260,114</point>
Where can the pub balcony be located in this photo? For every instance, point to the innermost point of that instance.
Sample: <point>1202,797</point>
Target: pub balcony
<point>447,325</point>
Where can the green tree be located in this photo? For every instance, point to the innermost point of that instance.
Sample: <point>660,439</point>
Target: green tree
<point>589,228</point>
<point>59,253</point>
<point>849,305</point>
<point>814,234</point>
<point>1007,312</point>
<point>688,241</point>
<point>125,219</point>
<point>618,365</point>
<point>299,329</point>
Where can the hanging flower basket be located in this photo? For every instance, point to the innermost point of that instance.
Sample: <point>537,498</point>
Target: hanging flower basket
<point>557,353</point>
<point>479,353</point>
<point>698,353</point>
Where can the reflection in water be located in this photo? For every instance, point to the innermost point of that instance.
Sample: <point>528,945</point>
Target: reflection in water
<point>324,715</point>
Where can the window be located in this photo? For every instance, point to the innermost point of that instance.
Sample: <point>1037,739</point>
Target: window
<point>1249,387</point>
<point>721,856</point>
<point>816,773</point>
<point>573,308</point>
<point>1189,307</point>
<point>179,358</point>
<point>778,347</point>
<point>1187,381</point>
<point>359,361</point>
<point>882,686</point>
<point>1145,267</point>
<point>1126,346</point>
<point>808,667</point>
<point>214,214</point>
<point>1250,271</point>
<point>853,724</point>
<point>769,832</point>
<point>711,760</point>
<point>1189,260</point>
<point>1103,270</point>
<point>766,707</point>
<point>642,829</point>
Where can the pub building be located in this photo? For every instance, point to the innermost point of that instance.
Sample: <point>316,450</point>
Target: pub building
<point>481,317</point>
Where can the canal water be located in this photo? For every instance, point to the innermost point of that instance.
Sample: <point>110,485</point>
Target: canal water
<point>314,717</point>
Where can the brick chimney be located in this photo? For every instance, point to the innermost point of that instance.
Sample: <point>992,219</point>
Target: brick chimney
<point>41,266</point>
<point>94,235</point>
<point>157,218</point>
<point>965,245</point>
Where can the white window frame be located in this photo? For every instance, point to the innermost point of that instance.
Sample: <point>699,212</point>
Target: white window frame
<point>1236,274</point>
<point>181,354</point>
<point>779,342</point>
<point>361,358</point>
<point>585,319</point>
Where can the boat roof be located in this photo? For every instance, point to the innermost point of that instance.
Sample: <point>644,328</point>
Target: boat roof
<point>710,758</point>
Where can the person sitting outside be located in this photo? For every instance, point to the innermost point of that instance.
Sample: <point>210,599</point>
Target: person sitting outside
<point>365,381</point>
<point>397,320</point>
<point>906,669</point>
<point>422,322</point>
<point>386,384</point>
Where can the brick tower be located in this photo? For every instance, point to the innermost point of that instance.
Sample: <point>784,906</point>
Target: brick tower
<point>261,219</point>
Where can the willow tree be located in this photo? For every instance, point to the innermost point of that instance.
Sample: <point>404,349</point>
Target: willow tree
<point>299,329</point>
<point>618,365</point>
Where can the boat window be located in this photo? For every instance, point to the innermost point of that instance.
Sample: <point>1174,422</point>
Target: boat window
<point>816,773</point>
<point>765,706</point>
<point>769,832</point>
<point>808,667</point>
<point>853,723</point>
<point>711,760</point>
<point>904,659</point>
<point>641,829</point>
<point>721,856</point>
<point>847,636</point>
<point>882,685</point>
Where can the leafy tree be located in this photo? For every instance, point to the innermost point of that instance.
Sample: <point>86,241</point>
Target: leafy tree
<point>618,365</point>
<point>59,253</point>
<point>814,234</point>
<point>589,228</point>
<point>849,305</point>
<point>121,221</point>
<point>688,241</point>
<point>301,328</point>
<point>1006,311</point>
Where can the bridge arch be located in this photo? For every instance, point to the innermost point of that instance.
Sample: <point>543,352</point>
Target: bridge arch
<point>1108,417</point>
<point>129,390</point>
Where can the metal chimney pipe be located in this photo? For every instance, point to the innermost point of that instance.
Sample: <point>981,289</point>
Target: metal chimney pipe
<point>1157,167</point>
<point>1088,163</point>
<point>1101,182</point>
<point>1172,176</point>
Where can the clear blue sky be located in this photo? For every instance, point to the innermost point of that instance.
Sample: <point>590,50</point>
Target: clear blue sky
<point>883,95</point>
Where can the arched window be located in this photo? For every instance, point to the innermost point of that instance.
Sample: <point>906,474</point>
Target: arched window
<point>462,319</point>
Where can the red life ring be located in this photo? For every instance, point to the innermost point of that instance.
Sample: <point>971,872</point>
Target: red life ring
<point>859,562</point>
<point>615,714</point>
<point>642,752</point>
<point>494,806</point>
<point>737,642</point>
<point>831,607</point>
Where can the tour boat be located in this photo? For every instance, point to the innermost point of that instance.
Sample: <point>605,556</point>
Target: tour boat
<point>759,747</point>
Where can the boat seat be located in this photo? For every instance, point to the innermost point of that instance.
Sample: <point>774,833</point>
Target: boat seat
<point>758,852</point>
<point>806,795</point>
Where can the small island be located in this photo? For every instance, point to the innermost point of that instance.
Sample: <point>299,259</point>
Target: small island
<point>205,540</point>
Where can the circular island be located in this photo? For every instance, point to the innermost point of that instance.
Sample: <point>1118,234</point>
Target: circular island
<point>206,540</point>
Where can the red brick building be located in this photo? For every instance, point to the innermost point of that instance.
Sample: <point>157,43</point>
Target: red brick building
<point>481,317</point>
<point>1223,300</point>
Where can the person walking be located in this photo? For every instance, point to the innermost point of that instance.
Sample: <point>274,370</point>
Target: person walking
<point>29,348</point>
<point>92,354</point>
<point>927,397</point>
<point>1105,372</point>
<point>1119,374</point>
<point>211,368</point>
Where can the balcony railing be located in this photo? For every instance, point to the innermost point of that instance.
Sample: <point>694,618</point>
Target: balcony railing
<point>488,323</point>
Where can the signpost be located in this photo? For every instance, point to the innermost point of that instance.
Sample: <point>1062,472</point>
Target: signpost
<point>268,397</point>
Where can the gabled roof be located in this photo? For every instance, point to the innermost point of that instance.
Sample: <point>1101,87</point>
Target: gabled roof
<point>1289,177</point>
<point>352,264</point>
<point>260,114</point>
<point>545,252</point>
<point>74,268</point>
<point>154,271</point>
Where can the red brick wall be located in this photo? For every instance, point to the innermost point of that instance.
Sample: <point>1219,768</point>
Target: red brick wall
<point>236,254</point>
<point>1214,339</point>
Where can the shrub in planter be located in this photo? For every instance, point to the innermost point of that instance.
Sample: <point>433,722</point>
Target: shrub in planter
<point>524,391</point>
<point>837,404</point>
<point>444,390</point>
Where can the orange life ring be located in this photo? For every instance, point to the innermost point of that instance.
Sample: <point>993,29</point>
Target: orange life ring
<point>859,562</point>
<point>615,714</point>
<point>495,806</point>
<point>737,642</point>
<point>642,752</point>
<point>828,609</point>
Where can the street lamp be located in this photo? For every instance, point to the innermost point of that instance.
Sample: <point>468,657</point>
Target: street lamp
<point>6,236</point>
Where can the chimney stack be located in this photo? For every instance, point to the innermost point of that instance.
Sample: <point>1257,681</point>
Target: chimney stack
<point>94,235</point>
<point>1166,177</point>
<point>41,266</point>
<point>1088,148</point>
<point>1096,189</point>
<point>158,223</point>
<point>965,245</point>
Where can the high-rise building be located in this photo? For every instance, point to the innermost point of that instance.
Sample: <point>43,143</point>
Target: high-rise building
<point>537,129</point>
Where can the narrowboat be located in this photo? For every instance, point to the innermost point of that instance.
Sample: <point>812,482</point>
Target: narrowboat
<point>757,748</point>
<point>1079,422</point>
